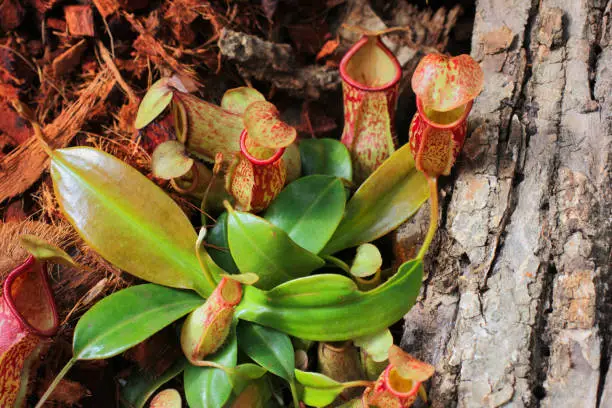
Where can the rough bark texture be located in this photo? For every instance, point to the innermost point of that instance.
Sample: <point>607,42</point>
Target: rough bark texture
<point>515,310</point>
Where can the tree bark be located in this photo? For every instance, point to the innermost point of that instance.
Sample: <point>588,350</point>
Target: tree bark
<point>515,310</point>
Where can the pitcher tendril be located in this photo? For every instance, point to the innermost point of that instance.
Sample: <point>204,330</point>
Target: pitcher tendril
<point>433,216</point>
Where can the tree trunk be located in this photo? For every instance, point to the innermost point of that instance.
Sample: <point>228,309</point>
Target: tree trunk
<point>515,310</point>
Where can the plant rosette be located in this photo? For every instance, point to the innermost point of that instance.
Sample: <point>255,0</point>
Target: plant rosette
<point>109,204</point>
<point>370,82</point>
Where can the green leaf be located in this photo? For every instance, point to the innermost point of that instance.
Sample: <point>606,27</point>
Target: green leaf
<point>326,156</point>
<point>269,348</point>
<point>126,218</point>
<point>319,390</point>
<point>156,99</point>
<point>317,290</point>
<point>243,374</point>
<point>140,385</point>
<point>207,264</point>
<point>207,387</point>
<point>169,160</point>
<point>129,317</point>
<point>217,236</point>
<point>376,345</point>
<point>44,251</point>
<point>318,315</point>
<point>367,261</point>
<point>260,247</point>
<point>391,195</point>
<point>309,210</point>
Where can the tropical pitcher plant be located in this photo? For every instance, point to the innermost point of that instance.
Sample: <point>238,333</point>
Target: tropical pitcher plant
<point>270,285</point>
<point>445,89</point>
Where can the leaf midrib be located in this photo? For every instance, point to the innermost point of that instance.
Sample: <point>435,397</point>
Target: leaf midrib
<point>263,254</point>
<point>319,198</point>
<point>288,372</point>
<point>140,228</point>
<point>345,227</point>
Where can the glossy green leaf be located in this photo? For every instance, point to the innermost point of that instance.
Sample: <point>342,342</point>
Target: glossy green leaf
<point>207,264</point>
<point>326,156</point>
<point>309,210</point>
<point>207,387</point>
<point>367,262</point>
<point>337,318</point>
<point>319,390</point>
<point>243,374</point>
<point>391,195</point>
<point>126,218</point>
<point>140,386</point>
<point>44,251</point>
<point>169,160</point>
<point>269,348</point>
<point>236,100</point>
<point>376,345</point>
<point>129,317</point>
<point>260,247</point>
<point>317,290</point>
<point>219,249</point>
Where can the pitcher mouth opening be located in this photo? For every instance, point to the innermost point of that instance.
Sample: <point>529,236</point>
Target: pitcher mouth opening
<point>399,386</point>
<point>258,162</point>
<point>370,66</point>
<point>34,325</point>
<point>444,120</point>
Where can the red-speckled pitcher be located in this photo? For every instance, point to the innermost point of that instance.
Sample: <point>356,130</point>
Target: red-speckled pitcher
<point>370,82</point>
<point>436,139</point>
<point>27,317</point>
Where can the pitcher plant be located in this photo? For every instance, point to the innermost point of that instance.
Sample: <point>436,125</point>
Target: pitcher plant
<point>255,167</point>
<point>370,82</point>
<point>445,88</point>
<point>28,318</point>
